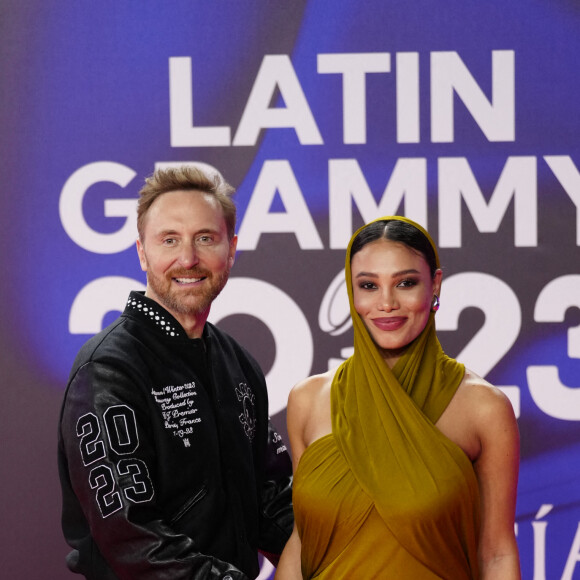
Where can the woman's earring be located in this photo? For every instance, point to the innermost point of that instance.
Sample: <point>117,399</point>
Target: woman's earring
<point>435,305</point>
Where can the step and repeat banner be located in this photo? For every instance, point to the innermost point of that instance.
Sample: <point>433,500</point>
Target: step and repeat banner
<point>323,114</point>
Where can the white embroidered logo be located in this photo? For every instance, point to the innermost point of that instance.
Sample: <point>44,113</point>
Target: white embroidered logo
<point>248,416</point>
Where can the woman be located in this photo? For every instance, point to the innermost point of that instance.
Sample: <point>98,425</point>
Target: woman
<point>406,463</point>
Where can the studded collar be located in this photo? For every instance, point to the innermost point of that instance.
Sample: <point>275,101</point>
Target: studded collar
<point>154,314</point>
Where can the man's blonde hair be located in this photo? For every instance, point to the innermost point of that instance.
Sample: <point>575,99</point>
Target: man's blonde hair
<point>188,178</point>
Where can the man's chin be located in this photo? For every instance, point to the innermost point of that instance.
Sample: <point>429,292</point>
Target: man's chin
<point>193,307</point>
<point>185,305</point>
<point>183,301</point>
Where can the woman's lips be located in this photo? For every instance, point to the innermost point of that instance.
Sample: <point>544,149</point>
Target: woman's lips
<point>389,323</point>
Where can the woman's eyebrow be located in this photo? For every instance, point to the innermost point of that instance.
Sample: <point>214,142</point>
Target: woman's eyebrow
<point>393,275</point>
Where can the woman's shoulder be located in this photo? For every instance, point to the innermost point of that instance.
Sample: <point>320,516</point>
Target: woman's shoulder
<point>484,400</point>
<point>311,387</point>
<point>477,415</point>
<point>475,385</point>
<point>308,412</point>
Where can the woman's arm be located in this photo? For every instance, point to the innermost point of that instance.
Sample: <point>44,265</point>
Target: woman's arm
<point>497,470</point>
<point>289,565</point>
<point>297,413</point>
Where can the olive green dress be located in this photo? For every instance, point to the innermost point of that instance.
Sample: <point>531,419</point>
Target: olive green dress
<point>386,494</point>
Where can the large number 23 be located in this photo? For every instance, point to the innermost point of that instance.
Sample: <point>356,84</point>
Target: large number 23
<point>121,429</point>
<point>502,326</point>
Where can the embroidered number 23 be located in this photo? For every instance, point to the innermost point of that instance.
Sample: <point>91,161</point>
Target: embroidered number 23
<point>122,437</point>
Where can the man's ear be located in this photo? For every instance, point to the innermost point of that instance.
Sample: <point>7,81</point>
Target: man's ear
<point>141,254</point>
<point>233,246</point>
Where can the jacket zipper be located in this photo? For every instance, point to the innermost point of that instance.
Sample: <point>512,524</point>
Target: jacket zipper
<point>189,504</point>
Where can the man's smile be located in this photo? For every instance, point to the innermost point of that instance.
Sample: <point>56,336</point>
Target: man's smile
<point>188,281</point>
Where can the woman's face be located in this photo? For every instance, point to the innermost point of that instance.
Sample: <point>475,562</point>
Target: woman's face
<point>393,294</point>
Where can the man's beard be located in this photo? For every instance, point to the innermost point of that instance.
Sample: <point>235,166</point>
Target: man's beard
<point>192,301</point>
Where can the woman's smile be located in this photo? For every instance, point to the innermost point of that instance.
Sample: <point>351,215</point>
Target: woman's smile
<point>392,293</point>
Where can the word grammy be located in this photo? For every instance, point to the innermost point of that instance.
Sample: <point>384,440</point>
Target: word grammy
<point>347,188</point>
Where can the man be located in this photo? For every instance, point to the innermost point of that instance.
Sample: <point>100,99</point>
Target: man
<point>168,464</point>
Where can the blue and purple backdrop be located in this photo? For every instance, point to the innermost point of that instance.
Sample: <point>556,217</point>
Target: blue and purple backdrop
<point>464,116</point>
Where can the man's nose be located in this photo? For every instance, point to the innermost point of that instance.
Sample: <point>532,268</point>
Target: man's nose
<point>188,256</point>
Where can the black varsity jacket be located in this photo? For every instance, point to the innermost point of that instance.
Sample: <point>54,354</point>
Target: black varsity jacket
<point>168,464</point>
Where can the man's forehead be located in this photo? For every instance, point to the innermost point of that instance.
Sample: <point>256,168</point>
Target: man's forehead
<point>180,199</point>
<point>184,195</point>
<point>186,207</point>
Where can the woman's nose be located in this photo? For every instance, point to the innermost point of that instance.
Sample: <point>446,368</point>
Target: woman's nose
<point>388,301</point>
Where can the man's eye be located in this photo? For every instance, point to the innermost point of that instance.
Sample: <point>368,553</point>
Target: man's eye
<point>204,240</point>
<point>169,241</point>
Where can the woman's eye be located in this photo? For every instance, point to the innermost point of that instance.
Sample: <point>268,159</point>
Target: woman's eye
<point>367,286</point>
<point>407,283</point>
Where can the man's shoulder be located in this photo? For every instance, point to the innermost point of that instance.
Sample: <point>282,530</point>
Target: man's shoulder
<point>117,343</point>
<point>114,332</point>
<point>224,340</point>
<point>229,348</point>
<point>102,354</point>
